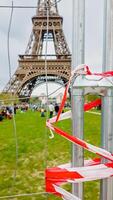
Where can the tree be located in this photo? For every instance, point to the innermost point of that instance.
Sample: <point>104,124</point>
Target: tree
<point>8,98</point>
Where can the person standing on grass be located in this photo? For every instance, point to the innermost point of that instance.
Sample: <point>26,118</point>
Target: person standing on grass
<point>42,112</point>
<point>56,108</point>
<point>8,113</point>
<point>51,110</point>
<point>15,108</point>
<point>1,117</point>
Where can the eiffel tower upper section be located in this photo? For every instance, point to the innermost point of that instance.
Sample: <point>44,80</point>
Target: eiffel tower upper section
<point>47,25</point>
<point>55,30</point>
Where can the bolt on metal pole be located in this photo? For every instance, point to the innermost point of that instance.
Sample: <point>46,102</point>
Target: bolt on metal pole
<point>106,192</point>
<point>77,94</point>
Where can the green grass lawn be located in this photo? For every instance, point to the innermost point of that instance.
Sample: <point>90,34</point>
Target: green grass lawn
<point>36,151</point>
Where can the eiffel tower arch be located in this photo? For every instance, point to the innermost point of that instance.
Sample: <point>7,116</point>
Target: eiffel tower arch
<point>31,66</point>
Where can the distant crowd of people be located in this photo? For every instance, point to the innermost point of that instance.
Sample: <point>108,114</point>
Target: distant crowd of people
<point>6,112</point>
<point>53,110</point>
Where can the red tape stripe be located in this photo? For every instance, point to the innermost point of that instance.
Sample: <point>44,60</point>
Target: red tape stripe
<point>92,104</point>
<point>63,102</point>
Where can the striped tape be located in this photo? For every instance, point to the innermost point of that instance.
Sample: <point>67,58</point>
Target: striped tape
<point>93,169</point>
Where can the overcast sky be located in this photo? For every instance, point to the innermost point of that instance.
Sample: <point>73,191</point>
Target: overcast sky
<point>22,26</point>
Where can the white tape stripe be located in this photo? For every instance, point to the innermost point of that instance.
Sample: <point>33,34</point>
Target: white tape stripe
<point>49,126</point>
<point>66,195</point>
<point>92,173</point>
<point>87,168</point>
<point>63,116</point>
<point>81,180</point>
<point>68,115</point>
<point>86,163</point>
<point>86,179</point>
<point>100,151</point>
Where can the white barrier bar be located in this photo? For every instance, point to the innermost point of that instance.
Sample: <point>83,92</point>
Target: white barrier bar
<point>106,192</point>
<point>77,100</point>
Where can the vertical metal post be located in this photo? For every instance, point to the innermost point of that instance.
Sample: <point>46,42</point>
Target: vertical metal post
<point>106,192</point>
<point>77,94</point>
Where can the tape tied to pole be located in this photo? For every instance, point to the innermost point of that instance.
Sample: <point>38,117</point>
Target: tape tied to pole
<point>93,169</point>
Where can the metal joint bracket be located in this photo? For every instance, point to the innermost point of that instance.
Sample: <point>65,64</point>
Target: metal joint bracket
<point>91,84</point>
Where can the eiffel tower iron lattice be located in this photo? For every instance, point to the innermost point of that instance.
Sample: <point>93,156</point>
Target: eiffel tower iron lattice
<point>31,69</point>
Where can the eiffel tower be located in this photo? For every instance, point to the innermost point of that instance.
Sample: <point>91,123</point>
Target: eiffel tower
<point>47,24</point>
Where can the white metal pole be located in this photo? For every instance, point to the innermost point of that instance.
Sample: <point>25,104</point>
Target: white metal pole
<point>77,94</point>
<point>106,192</point>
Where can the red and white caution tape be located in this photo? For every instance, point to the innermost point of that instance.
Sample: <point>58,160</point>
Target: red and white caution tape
<point>58,176</point>
<point>99,151</point>
<point>68,114</point>
<point>93,169</point>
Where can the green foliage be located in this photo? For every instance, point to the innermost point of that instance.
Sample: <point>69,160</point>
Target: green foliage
<point>35,100</point>
<point>36,152</point>
<point>4,98</point>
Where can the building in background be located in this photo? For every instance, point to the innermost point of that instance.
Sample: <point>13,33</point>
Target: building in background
<point>43,99</point>
<point>59,98</point>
